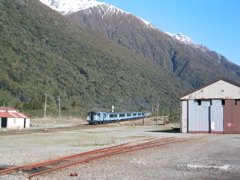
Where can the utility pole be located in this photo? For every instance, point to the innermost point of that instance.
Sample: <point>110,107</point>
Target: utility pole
<point>45,106</point>
<point>59,107</point>
<point>157,113</point>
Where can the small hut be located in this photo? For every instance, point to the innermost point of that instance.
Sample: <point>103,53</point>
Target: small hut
<point>13,119</point>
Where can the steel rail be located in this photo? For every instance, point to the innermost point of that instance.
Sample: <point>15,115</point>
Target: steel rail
<point>108,151</point>
<point>118,151</point>
<point>53,161</point>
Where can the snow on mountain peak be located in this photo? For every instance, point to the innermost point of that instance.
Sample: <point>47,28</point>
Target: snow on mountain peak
<point>66,7</point>
<point>182,38</point>
<point>70,6</point>
<point>187,40</point>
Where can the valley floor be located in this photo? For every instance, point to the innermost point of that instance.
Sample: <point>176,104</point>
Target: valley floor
<point>208,156</point>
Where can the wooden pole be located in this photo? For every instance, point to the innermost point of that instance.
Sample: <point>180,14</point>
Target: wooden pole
<point>59,107</point>
<point>45,106</point>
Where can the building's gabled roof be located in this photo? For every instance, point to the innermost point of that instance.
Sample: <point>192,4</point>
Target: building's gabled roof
<point>12,115</point>
<point>3,108</point>
<point>208,84</point>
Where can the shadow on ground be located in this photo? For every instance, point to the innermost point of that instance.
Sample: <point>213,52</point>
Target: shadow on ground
<point>172,130</point>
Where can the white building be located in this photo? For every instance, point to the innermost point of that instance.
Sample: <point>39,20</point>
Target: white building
<point>11,118</point>
<point>212,108</point>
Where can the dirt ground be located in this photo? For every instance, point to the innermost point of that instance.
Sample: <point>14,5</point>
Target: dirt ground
<point>208,156</point>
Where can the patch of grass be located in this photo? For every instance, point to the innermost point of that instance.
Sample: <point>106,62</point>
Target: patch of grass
<point>87,145</point>
<point>91,132</point>
<point>95,142</point>
<point>132,137</point>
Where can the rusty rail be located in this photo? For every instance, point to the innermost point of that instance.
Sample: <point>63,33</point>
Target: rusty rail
<point>53,161</point>
<point>97,154</point>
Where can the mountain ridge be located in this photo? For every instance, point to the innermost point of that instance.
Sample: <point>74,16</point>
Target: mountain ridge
<point>116,60</point>
<point>128,31</point>
<point>70,6</point>
<point>43,53</point>
<point>73,6</point>
<point>79,5</point>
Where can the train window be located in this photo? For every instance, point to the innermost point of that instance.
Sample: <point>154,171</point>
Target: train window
<point>121,115</point>
<point>113,115</point>
<point>96,114</point>
<point>139,114</point>
<point>128,114</point>
<point>134,114</point>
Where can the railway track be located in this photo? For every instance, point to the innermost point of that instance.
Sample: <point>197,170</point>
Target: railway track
<point>41,168</point>
<point>57,129</point>
<point>48,130</point>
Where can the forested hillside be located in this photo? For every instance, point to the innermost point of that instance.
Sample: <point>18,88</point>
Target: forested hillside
<point>193,65</point>
<point>43,53</point>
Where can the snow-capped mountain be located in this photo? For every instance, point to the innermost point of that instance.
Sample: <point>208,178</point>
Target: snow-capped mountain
<point>187,40</point>
<point>184,39</point>
<point>134,33</point>
<point>70,6</point>
<point>67,7</point>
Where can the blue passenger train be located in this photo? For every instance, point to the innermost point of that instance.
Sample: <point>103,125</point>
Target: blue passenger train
<point>107,117</point>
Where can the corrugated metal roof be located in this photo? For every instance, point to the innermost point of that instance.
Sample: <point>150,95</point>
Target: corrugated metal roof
<point>234,84</point>
<point>3,108</point>
<point>12,115</point>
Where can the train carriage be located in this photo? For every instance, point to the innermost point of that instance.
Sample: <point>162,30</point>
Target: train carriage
<point>107,117</point>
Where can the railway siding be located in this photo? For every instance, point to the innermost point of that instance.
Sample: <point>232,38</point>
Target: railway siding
<point>168,161</point>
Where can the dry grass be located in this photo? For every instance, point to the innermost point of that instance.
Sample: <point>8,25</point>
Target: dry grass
<point>63,120</point>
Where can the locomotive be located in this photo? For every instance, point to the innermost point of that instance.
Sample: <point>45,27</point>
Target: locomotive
<point>107,117</point>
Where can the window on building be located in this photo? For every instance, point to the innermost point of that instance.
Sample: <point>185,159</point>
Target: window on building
<point>237,101</point>
<point>223,102</point>
<point>199,102</point>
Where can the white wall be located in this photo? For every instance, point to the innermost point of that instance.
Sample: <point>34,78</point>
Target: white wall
<point>218,90</point>
<point>27,123</point>
<point>17,123</point>
<point>184,116</point>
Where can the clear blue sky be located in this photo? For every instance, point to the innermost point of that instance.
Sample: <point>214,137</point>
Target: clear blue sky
<point>213,23</point>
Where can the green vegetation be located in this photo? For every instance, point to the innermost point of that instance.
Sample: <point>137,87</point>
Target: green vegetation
<point>174,117</point>
<point>43,53</point>
<point>192,66</point>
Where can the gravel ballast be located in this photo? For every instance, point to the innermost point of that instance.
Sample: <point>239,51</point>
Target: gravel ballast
<point>208,156</point>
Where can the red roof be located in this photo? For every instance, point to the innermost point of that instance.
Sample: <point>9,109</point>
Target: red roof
<point>7,108</point>
<point>12,115</point>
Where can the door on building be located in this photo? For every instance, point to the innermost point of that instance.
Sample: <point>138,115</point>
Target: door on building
<point>232,117</point>
<point>24,123</point>
<point>216,116</point>
<point>205,116</point>
<point>4,122</point>
<point>199,116</point>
